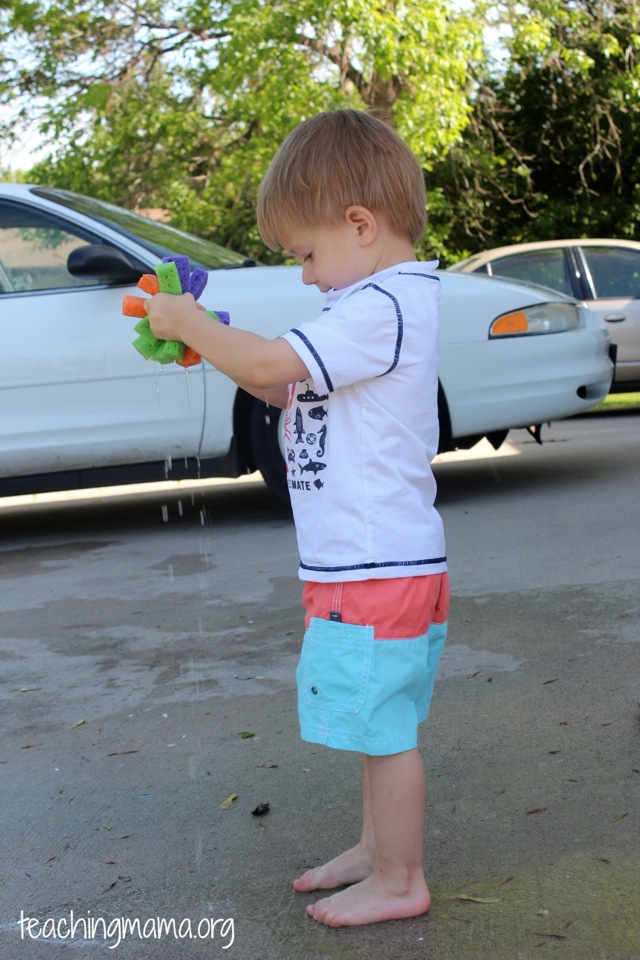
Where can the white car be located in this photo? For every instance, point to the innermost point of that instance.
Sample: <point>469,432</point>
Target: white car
<point>80,407</point>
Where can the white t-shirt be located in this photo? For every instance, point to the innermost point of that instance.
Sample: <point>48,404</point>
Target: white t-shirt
<point>361,433</point>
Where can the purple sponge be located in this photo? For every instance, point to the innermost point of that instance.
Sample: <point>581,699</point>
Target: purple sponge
<point>184,271</point>
<point>198,282</point>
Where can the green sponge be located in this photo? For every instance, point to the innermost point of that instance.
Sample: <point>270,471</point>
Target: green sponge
<point>163,351</point>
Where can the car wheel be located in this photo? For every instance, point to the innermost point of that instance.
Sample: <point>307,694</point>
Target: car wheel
<point>445,442</point>
<point>267,447</point>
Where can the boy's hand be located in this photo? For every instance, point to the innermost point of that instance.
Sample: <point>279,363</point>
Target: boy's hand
<point>169,314</point>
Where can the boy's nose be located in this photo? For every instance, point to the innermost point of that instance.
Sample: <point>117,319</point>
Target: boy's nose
<point>308,276</point>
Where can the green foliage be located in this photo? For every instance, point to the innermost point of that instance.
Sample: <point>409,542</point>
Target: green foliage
<point>551,147</point>
<point>182,106</point>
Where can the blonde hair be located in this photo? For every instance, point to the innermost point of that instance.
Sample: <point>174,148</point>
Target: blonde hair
<point>336,160</point>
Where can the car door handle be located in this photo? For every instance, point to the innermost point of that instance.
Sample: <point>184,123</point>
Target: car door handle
<point>615,318</point>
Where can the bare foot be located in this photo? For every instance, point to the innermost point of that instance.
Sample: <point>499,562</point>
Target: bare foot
<point>350,867</point>
<point>371,902</point>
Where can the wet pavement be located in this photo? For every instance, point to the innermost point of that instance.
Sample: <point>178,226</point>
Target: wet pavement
<point>138,655</point>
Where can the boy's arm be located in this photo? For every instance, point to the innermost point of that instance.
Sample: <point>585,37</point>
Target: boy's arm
<point>255,363</point>
<point>273,397</point>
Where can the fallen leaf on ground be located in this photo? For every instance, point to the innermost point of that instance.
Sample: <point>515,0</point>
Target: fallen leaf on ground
<point>78,724</point>
<point>536,810</point>
<point>466,896</point>
<point>225,805</point>
<point>247,734</point>
<point>261,809</point>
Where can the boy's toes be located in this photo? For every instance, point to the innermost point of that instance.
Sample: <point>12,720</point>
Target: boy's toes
<point>323,912</point>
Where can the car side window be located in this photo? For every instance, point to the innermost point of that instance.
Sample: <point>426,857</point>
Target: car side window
<point>34,246</point>
<point>614,272</point>
<point>546,267</point>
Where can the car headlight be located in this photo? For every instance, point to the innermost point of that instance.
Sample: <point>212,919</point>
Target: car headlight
<point>537,319</point>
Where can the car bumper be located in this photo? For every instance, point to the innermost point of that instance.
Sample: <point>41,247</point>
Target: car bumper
<point>519,381</point>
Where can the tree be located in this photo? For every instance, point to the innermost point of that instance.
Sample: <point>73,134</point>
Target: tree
<point>151,103</point>
<point>551,147</point>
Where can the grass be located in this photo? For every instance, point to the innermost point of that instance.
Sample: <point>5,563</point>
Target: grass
<point>620,401</point>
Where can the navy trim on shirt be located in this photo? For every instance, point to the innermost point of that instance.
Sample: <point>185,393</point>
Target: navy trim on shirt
<point>373,565</point>
<point>400,321</point>
<point>315,355</point>
<point>411,273</point>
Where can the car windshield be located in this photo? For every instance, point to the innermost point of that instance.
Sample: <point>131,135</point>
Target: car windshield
<point>157,237</point>
<point>548,268</point>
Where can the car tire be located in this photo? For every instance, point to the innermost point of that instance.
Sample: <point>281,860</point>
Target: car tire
<point>444,420</point>
<point>266,434</point>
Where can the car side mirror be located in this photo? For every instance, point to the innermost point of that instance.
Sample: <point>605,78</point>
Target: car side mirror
<point>101,262</point>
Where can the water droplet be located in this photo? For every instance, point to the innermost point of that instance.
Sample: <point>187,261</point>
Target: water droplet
<point>165,512</point>
<point>186,374</point>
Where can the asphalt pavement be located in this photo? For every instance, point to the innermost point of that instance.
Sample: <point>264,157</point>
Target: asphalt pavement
<point>147,710</point>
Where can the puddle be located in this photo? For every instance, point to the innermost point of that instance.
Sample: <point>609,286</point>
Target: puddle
<point>459,660</point>
<point>29,561</point>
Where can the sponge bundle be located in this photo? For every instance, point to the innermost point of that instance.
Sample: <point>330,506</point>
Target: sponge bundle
<point>173,275</point>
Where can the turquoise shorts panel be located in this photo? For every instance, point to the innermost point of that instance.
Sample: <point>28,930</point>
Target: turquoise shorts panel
<point>358,693</point>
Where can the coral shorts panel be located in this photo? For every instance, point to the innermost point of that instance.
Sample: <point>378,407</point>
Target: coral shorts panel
<point>397,608</point>
<point>358,694</point>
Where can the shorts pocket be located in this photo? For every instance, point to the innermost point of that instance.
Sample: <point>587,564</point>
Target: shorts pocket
<point>335,665</point>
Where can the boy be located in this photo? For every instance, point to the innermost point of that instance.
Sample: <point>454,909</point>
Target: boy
<point>346,197</point>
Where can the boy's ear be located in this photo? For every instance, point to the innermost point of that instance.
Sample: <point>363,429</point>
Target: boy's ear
<point>364,223</point>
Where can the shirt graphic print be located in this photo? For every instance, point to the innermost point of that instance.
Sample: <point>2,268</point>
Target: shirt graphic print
<point>306,436</point>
